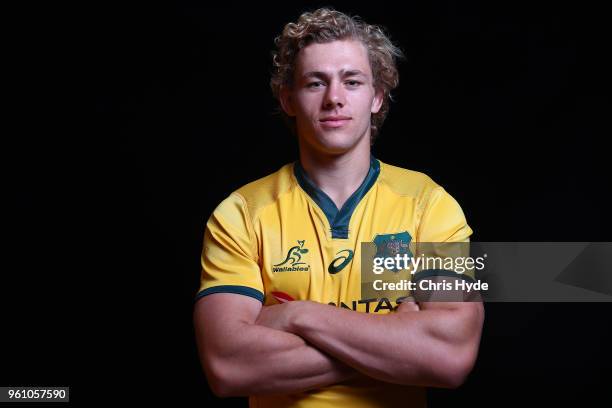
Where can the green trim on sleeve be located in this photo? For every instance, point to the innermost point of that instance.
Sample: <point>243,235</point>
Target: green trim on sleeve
<point>237,289</point>
<point>427,273</point>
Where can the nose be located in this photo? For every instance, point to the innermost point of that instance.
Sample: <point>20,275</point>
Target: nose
<point>334,96</point>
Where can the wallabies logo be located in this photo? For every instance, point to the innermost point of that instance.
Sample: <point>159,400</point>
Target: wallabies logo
<point>293,260</point>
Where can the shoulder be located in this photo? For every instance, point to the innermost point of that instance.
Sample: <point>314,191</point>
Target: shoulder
<point>258,194</point>
<point>408,183</point>
<point>439,216</point>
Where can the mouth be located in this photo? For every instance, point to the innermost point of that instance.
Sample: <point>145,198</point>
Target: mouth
<point>334,121</point>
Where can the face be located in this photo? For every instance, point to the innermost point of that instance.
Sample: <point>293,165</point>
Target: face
<point>333,97</point>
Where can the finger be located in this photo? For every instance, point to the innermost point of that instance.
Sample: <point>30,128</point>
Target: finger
<point>408,305</point>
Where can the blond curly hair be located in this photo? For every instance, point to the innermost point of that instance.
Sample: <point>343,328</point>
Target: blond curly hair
<point>326,25</point>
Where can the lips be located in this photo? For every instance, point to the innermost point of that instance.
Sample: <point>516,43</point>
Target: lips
<point>335,121</point>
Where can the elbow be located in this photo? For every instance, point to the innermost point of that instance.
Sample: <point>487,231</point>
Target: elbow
<point>223,381</point>
<point>454,380</point>
<point>462,358</point>
<point>224,390</point>
<point>221,388</point>
<point>458,369</point>
<point>450,371</point>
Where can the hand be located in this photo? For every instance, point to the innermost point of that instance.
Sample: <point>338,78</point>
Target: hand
<point>408,305</point>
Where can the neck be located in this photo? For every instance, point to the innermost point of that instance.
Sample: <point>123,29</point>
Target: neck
<point>337,175</point>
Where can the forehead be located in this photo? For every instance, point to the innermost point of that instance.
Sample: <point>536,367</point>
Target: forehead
<point>332,57</point>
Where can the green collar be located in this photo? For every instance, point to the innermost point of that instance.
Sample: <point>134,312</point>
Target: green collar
<point>338,219</point>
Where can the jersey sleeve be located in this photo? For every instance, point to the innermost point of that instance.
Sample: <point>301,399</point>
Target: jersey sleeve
<point>446,234</point>
<point>229,258</point>
<point>443,220</point>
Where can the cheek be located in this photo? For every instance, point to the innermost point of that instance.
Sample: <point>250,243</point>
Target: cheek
<point>369,101</point>
<point>305,119</point>
<point>305,99</point>
<point>364,107</point>
<point>303,110</point>
<point>309,112</point>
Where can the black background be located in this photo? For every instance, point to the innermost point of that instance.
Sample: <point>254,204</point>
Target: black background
<point>138,120</point>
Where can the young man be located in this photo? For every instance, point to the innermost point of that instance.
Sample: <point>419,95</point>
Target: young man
<point>280,253</point>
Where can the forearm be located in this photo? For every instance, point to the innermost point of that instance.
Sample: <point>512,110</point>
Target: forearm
<point>426,348</point>
<point>259,360</point>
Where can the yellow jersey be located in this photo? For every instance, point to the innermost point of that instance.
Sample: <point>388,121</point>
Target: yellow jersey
<point>281,238</point>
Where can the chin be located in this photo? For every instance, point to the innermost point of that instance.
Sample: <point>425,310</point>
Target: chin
<point>335,143</point>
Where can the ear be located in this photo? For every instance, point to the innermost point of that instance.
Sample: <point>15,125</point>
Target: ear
<point>377,101</point>
<point>286,101</point>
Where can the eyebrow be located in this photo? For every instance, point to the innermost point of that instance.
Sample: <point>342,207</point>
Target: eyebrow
<point>343,73</point>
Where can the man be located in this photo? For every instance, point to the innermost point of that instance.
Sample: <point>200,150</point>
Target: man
<point>282,253</point>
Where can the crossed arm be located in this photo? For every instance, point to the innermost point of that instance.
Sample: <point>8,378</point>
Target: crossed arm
<point>247,349</point>
<point>241,357</point>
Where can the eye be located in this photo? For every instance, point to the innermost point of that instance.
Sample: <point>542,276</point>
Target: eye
<point>316,84</point>
<point>353,83</point>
